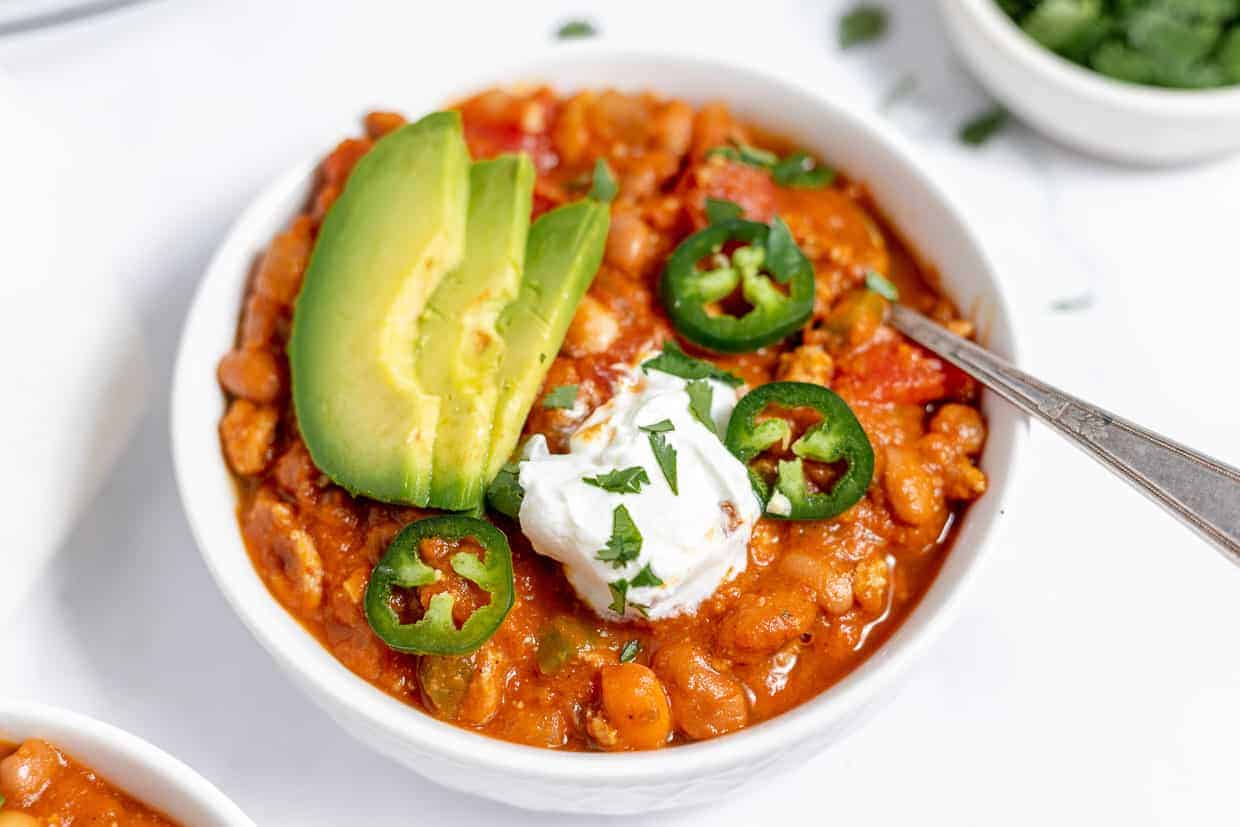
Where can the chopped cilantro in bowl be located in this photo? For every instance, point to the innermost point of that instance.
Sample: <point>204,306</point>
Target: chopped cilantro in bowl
<point>1178,44</point>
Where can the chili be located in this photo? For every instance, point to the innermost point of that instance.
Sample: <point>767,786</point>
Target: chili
<point>838,436</point>
<point>688,291</point>
<point>402,566</point>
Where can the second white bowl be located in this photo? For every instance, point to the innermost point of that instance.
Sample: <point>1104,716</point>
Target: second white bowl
<point>137,768</point>
<point>1115,120</point>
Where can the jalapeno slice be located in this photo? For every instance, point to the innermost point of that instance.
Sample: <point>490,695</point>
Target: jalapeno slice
<point>837,437</point>
<point>767,256</point>
<point>435,633</point>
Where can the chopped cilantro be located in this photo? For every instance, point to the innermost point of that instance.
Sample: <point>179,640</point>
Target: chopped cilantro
<point>784,258</point>
<point>862,24</point>
<point>801,171</point>
<point>664,453</point>
<point>604,186</point>
<point>981,128</point>
<point>505,493</point>
<point>625,542</point>
<point>621,481</point>
<point>721,209</point>
<point>879,284</point>
<point>700,394</point>
<point>619,595</point>
<point>675,361</point>
<point>630,651</point>
<point>561,396</point>
<point>645,578</point>
<point>573,29</point>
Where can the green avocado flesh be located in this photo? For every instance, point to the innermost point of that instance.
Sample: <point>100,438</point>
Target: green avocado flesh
<point>460,349</point>
<point>564,251</point>
<point>388,241</point>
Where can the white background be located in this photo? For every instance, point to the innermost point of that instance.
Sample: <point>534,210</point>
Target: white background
<point>1093,674</point>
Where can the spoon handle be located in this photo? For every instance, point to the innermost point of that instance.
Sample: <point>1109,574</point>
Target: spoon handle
<point>1203,493</point>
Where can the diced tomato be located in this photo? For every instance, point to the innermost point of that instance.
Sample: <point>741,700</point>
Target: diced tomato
<point>748,186</point>
<point>892,370</point>
<point>488,139</point>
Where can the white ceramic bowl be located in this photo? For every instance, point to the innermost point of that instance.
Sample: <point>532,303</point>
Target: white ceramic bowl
<point>139,769</point>
<point>1115,120</point>
<point>589,782</point>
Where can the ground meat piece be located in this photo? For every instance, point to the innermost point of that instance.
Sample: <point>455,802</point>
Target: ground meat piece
<point>808,363</point>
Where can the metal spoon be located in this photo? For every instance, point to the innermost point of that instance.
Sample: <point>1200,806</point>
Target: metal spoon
<point>1201,492</point>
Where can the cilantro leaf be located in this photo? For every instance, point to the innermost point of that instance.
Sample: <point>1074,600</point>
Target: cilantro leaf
<point>981,128</point>
<point>630,651</point>
<point>625,543</point>
<point>505,493</point>
<point>573,29</point>
<point>604,186</point>
<point>700,394</point>
<point>561,396</point>
<point>619,595</point>
<point>861,25</point>
<point>621,481</point>
<point>675,361</point>
<point>664,453</point>
<point>800,170</point>
<point>784,258</point>
<point>646,577</point>
<point>879,284</point>
<point>721,209</point>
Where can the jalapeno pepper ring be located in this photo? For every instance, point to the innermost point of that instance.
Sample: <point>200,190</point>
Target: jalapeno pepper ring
<point>688,290</point>
<point>435,633</point>
<point>837,437</point>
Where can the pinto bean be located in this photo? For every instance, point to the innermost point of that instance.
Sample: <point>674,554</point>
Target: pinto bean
<point>251,373</point>
<point>673,128</point>
<point>594,328</point>
<point>294,570</point>
<point>963,424</point>
<point>379,124</point>
<point>633,707</point>
<point>282,266</point>
<point>705,702</point>
<point>910,487</point>
<point>630,242</point>
<point>247,432</point>
<point>831,585</point>
<point>29,771</point>
<point>870,581</point>
<point>760,624</point>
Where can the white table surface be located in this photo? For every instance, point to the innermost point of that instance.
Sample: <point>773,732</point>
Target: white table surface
<point>1092,674</point>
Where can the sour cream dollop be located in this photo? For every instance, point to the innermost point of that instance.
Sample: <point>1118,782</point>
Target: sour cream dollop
<point>692,540</point>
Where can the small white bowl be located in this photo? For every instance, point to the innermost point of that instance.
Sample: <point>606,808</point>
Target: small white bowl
<point>140,770</point>
<point>593,782</point>
<point>1119,121</point>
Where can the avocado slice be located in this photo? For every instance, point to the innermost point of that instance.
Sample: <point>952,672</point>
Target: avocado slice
<point>387,242</point>
<point>563,254</point>
<point>460,348</point>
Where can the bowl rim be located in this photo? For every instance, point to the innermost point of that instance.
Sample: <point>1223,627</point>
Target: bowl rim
<point>380,711</point>
<point>1085,82</point>
<point>22,720</point>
